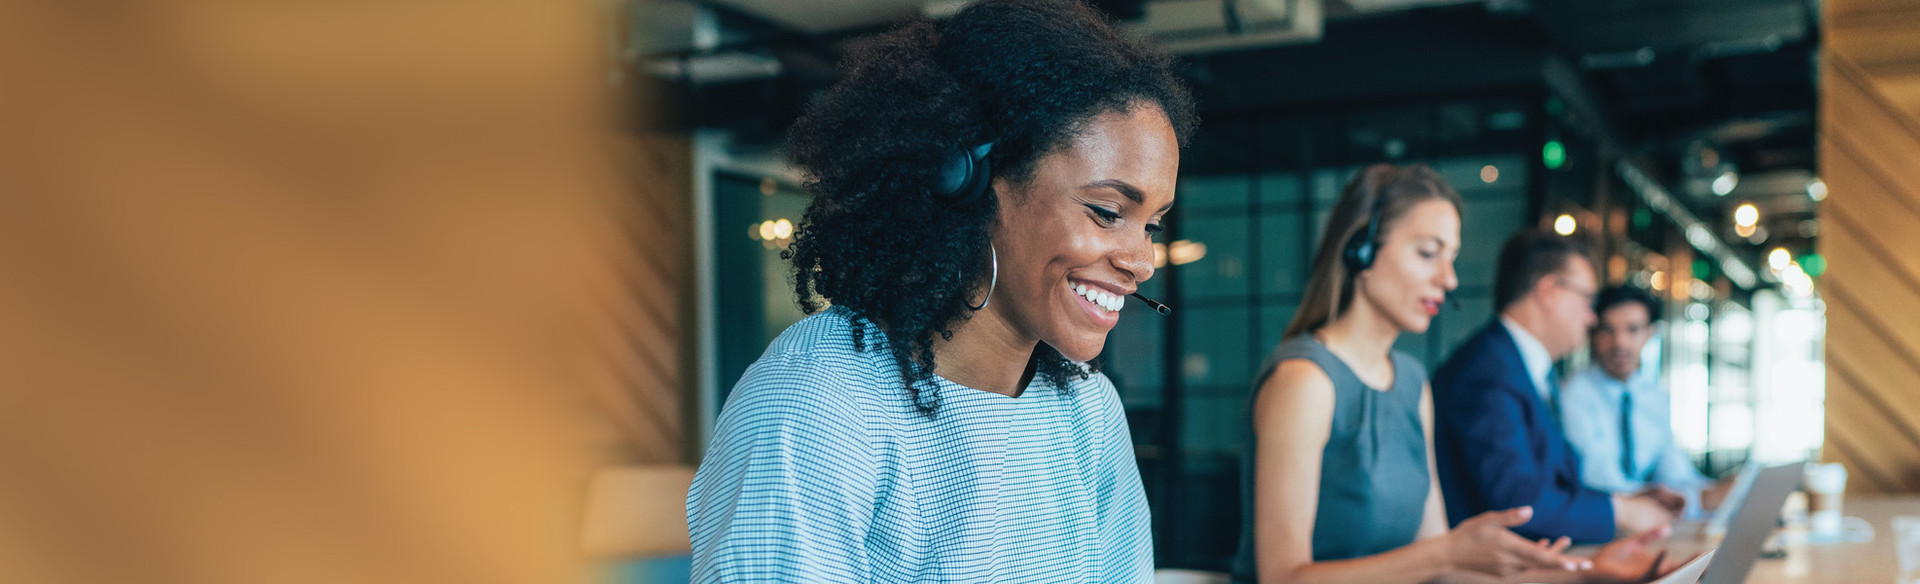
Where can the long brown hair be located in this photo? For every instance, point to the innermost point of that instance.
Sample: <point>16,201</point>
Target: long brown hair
<point>1387,189</point>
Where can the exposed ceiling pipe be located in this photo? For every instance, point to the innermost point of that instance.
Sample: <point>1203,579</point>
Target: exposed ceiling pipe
<point>1202,26</point>
<point>707,60</point>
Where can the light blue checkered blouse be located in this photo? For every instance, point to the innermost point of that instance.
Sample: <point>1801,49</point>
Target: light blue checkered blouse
<point>821,470</point>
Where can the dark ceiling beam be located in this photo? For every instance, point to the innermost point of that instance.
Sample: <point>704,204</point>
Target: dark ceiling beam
<point>1588,27</point>
<point>754,33</point>
<point>1443,51</point>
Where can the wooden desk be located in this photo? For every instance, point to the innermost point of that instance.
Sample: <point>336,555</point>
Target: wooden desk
<point>1867,563</point>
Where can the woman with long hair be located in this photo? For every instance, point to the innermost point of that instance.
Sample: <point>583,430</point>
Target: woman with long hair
<point>985,195</point>
<point>1340,483</point>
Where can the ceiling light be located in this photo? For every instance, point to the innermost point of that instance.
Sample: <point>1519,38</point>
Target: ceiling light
<point>1813,264</point>
<point>1796,281</point>
<point>1724,183</point>
<point>1746,215</point>
<point>1554,154</point>
<point>1185,252</point>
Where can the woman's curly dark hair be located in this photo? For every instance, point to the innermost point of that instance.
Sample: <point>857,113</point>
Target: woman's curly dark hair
<point>1025,74</point>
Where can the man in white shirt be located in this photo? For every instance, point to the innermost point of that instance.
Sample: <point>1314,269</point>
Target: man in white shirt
<point>1617,415</point>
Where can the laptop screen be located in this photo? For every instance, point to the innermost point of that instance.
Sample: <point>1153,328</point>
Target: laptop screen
<point>1753,523</point>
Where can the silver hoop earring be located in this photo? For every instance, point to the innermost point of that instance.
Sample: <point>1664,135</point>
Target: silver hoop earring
<point>991,282</point>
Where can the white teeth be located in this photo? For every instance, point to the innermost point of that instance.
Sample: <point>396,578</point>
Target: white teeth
<point>1098,297</point>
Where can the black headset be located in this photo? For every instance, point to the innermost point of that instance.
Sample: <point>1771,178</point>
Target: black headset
<point>965,175</point>
<point>1360,249</point>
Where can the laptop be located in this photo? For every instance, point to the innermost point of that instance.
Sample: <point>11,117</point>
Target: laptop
<point>1758,496</point>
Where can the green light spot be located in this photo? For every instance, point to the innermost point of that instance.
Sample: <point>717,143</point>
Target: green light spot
<point>1642,218</point>
<point>1554,154</point>
<point>1702,269</point>
<point>1813,264</point>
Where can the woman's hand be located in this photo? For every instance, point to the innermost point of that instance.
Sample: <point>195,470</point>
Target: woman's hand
<point>1486,544</point>
<point>1633,560</point>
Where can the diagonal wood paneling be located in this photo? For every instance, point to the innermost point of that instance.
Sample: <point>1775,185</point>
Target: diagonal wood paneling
<point>663,291</point>
<point>1883,470</point>
<point>295,293</point>
<point>1870,136</point>
<point>1864,393</point>
<point>648,303</point>
<point>1878,36</point>
<point>1882,281</point>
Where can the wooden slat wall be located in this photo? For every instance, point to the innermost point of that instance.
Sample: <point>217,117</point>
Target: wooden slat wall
<point>1870,235</point>
<point>650,398</point>
<point>324,292</point>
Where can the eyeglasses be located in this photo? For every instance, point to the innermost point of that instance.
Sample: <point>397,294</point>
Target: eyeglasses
<point>1587,295</point>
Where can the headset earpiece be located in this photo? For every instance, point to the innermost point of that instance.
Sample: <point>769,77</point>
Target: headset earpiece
<point>1364,245</point>
<point>1361,248</point>
<point>965,175</point>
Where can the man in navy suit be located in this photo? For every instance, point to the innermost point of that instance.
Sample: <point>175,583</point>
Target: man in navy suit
<point>1497,442</point>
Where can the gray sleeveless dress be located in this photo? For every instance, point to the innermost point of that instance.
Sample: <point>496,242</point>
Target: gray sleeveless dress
<point>1373,474</point>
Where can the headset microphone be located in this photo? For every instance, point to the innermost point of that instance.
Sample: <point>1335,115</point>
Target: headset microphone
<point>1156,306</point>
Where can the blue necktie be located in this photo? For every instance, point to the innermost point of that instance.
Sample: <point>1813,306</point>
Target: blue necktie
<point>1626,436</point>
<point>1553,398</point>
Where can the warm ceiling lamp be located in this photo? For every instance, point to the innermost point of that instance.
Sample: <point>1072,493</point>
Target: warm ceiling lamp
<point>1564,224</point>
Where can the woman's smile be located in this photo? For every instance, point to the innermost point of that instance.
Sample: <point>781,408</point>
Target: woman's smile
<point>1101,302</point>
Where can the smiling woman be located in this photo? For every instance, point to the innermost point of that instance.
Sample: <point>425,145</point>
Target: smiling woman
<point>1028,78</point>
<point>985,195</point>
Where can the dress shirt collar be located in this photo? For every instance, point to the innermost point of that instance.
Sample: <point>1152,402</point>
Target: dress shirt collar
<point>1538,361</point>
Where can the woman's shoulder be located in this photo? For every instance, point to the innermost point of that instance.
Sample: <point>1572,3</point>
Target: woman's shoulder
<point>1293,376</point>
<point>820,359</point>
<point>1096,392</point>
<point>837,343</point>
<point>1298,359</point>
<point>1405,366</point>
<point>828,333</point>
<point>1304,347</point>
<point>1298,346</point>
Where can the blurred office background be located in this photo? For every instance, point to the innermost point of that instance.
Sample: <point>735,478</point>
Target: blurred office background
<point>422,293</point>
<point>1694,144</point>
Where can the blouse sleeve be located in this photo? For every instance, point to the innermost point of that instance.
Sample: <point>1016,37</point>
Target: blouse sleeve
<point>786,491</point>
<point>1128,526</point>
